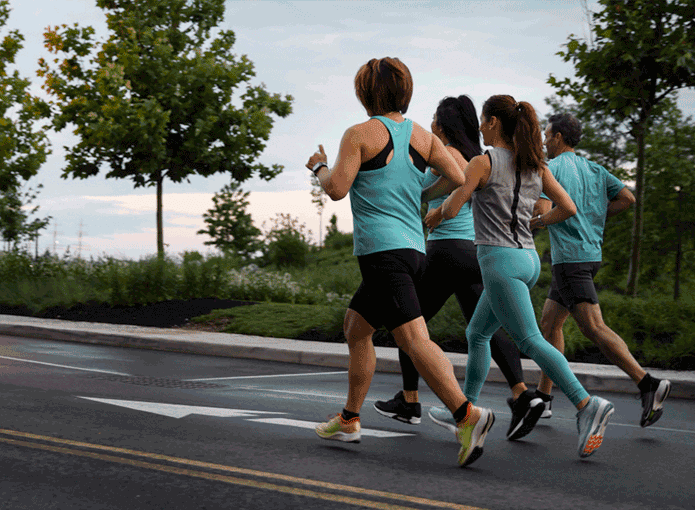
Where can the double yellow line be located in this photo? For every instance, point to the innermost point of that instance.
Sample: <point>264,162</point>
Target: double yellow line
<point>220,473</point>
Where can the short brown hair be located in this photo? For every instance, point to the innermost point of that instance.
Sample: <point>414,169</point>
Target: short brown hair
<point>384,85</point>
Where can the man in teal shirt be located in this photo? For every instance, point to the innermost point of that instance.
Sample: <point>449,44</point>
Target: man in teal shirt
<point>575,249</point>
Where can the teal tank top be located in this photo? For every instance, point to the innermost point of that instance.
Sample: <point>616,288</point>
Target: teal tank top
<point>458,227</point>
<point>385,202</point>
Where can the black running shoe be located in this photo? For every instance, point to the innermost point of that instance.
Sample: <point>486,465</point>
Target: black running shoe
<point>398,409</point>
<point>653,401</point>
<point>548,401</point>
<point>525,413</point>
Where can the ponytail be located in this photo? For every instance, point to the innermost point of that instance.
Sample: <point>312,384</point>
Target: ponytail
<point>520,129</point>
<point>527,141</point>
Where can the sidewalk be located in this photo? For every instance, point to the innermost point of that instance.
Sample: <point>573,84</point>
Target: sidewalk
<point>593,377</point>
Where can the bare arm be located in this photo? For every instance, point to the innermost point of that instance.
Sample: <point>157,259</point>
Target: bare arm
<point>336,181</point>
<point>476,171</point>
<point>564,205</point>
<point>622,201</point>
<point>449,164</point>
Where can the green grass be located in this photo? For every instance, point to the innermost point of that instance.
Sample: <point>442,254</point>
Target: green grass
<point>278,320</point>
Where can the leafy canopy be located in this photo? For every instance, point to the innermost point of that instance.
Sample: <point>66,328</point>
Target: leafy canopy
<point>156,100</point>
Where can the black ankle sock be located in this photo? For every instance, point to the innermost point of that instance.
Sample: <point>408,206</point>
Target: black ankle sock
<point>347,415</point>
<point>462,412</point>
<point>543,396</point>
<point>645,384</point>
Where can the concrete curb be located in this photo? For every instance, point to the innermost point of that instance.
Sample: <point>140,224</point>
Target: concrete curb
<point>593,377</point>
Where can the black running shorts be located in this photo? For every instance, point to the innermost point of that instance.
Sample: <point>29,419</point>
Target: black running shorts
<point>573,283</point>
<point>387,295</point>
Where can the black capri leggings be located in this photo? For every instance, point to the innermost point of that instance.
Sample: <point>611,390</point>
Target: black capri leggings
<point>451,267</point>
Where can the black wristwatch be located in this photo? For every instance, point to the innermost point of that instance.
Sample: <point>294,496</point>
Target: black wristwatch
<point>318,166</point>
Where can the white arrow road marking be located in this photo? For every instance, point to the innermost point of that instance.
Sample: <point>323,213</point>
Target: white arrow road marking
<point>178,410</point>
<point>312,425</point>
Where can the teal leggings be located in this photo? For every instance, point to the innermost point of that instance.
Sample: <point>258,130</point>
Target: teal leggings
<point>508,276</point>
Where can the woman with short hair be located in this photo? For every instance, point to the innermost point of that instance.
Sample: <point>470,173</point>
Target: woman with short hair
<point>381,163</point>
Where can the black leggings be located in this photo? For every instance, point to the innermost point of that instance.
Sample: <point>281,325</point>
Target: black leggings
<point>452,268</point>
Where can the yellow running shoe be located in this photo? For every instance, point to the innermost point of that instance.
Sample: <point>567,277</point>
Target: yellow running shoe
<point>338,429</point>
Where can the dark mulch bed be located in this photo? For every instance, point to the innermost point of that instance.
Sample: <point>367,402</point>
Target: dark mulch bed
<point>165,314</point>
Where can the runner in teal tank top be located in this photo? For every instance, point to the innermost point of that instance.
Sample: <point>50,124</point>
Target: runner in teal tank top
<point>381,163</point>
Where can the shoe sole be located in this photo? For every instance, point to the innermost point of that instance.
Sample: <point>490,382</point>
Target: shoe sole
<point>412,421</point>
<point>528,422</point>
<point>354,437</point>
<point>477,450</point>
<point>445,424</point>
<point>657,408</point>
<point>598,427</point>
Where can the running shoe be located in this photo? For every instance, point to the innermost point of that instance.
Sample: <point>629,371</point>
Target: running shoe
<point>548,401</point>
<point>338,429</point>
<point>526,410</point>
<point>592,420</point>
<point>398,409</point>
<point>653,401</point>
<point>470,436</point>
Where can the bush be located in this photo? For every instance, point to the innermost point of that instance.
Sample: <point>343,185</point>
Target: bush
<point>287,250</point>
<point>338,240</point>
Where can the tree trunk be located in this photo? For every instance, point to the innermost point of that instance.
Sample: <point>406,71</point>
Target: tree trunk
<point>677,276</point>
<point>638,220</point>
<point>160,227</point>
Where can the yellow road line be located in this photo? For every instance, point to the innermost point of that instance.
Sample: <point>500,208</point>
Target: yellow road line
<point>229,469</point>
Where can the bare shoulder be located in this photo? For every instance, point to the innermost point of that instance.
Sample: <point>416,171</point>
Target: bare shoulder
<point>421,140</point>
<point>482,161</point>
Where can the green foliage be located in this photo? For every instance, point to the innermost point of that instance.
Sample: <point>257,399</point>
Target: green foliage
<point>229,224</point>
<point>154,101</point>
<point>23,147</point>
<point>334,238</point>
<point>15,226</point>
<point>287,242</point>
<point>278,320</point>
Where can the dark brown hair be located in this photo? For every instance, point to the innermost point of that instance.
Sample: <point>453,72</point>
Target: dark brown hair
<point>520,128</point>
<point>384,85</point>
<point>568,126</point>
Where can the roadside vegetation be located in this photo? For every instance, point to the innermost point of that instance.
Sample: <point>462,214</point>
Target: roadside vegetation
<point>308,300</point>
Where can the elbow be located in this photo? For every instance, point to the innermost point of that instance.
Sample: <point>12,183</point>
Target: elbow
<point>334,193</point>
<point>448,212</point>
<point>571,210</point>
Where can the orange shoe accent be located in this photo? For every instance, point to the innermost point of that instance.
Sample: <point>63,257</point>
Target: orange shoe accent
<point>593,443</point>
<point>350,421</point>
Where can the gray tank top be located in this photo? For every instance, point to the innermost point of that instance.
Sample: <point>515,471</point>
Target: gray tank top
<point>502,209</point>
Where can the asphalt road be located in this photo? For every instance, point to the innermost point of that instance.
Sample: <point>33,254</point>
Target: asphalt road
<point>92,427</point>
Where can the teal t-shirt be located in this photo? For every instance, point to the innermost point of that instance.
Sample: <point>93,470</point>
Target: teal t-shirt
<point>386,202</point>
<point>458,227</point>
<point>591,187</point>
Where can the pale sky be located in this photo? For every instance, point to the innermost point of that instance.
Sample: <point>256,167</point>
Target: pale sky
<point>312,51</point>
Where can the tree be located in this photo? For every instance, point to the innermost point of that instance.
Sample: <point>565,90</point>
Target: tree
<point>287,241</point>
<point>15,226</point>
<point>154,101</point>
<point>641,52</point>
<point>318,198</point>
<point>23,148</point>
<point>229,225</point>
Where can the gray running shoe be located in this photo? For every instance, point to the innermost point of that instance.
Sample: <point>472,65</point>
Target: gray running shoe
<point>591,424</point>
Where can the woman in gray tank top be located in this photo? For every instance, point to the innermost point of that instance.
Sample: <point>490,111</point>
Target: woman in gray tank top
<point>505,184</point>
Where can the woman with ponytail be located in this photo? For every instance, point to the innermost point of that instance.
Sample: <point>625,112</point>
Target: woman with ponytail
<point>451,267</point>
<point>506,183</point>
